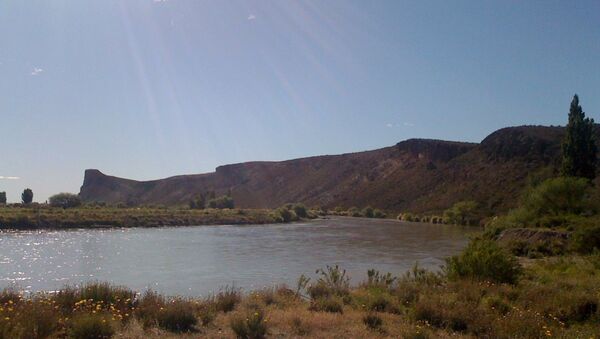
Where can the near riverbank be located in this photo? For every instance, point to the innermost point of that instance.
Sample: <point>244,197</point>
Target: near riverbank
<point>552,297</point>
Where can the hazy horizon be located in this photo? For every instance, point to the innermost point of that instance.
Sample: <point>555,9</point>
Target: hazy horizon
<point>147,89</point>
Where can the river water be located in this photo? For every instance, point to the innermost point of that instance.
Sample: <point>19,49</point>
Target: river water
<point>200,260</point>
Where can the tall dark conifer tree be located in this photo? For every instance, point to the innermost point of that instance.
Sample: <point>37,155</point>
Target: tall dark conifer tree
<point>27,196</point>
<point>579,146</point>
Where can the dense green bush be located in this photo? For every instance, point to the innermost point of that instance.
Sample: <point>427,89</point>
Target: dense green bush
<point>64,200</point>
<point>553,203</point>
<point>558,196</point>
<point>198,202</point>
<point>2,198</point>
<point>221,202</point>
<point>367,212</point>
<point>586,239</point>
<point>283,214</point>
<point>300,211</point>
<point>484,260</point>
<point>462,213</point>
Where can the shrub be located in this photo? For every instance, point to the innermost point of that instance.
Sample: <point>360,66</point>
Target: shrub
<point>329,304</point>
<point>586,239</point>
<point>462,213</point>
<point>376,299</point>
<point>484,260</point>
<point>105,292</point>
<point>421,276</point>
<point>226,299</point>
<point>443,314</point>
<point>551,203</point>
<point>332,281</point>
<point>221,202</point>
<point>34,319</point>
<point>10,295</point>
<point>207,315</point>
<point>408,217</point>
<point>374,278</point>
<point>2,198</point>
<point>373,321</point>
<point>148,308</point>
<point>380,303</point>
<point>251,325</point>
<point>177,316</point>
<point>377,213</point>
<point>198,202</point>
<point>91,326</point>
<point>300,211</point>
<point>285,215</point>
<point>65,200</point>
<point>368,212</point>
<point>354,212</point>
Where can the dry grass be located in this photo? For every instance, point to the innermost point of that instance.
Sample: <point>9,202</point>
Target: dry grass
<point>555,297</point>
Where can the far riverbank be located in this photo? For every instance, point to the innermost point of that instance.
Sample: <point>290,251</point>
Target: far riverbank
<point>46,217</point>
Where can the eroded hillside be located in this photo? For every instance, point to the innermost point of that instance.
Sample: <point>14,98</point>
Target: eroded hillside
<point>418,175</point>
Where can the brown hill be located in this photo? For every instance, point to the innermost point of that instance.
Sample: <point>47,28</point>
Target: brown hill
<point>417,175</point>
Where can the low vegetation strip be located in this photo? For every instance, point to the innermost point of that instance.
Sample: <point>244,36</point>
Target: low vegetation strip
<point>43,216</point>
<point>496,298</point>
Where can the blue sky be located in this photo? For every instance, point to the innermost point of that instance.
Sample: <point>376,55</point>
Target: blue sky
<point>148,89</point>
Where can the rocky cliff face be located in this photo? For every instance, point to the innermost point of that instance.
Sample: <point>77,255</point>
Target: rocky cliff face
<point>417,175</point>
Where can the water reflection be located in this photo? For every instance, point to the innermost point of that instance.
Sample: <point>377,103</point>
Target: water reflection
<point>199,260</point>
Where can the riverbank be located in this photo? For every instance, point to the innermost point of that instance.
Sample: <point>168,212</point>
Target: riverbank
<point>553,297</point>
<point>43,216</point>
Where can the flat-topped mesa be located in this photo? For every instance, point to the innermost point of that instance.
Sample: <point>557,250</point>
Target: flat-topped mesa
<point>436,150</point>
<point>92,175</point>
<point>100,187</point>
<point>530,142</point>
<point>417,175</point>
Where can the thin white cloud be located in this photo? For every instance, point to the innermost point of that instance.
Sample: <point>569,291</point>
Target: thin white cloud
<point>160,0</point>
<point>408,124</point>
<point>251,17</point>
<point>36,71</point>
<point>389,125</point>
<point>2,177</point>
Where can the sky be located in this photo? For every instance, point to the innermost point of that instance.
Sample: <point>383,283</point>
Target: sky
<point>146,89</point>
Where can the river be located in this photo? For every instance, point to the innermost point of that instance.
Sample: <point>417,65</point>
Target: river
<point>199,260</point>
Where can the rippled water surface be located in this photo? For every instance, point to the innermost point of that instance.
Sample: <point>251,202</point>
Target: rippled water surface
<point>199,260</point>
